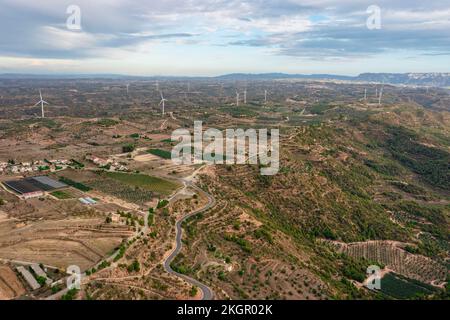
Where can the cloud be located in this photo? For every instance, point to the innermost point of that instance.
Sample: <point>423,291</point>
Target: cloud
<point>310,29</point>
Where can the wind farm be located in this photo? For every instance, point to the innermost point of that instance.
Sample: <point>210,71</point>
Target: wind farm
<point>258,153</point>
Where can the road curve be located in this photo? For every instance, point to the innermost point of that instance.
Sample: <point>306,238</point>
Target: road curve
<point>207,293</point>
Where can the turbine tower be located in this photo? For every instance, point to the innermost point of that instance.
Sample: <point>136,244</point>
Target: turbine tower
<point>237,98</point>
<point>163,101</point>
<point>265,96</point>
<point>381,95</point>
<point>128,86</point>
<point>365,94</point>
<point>245,96</point>
<point>41,102</point>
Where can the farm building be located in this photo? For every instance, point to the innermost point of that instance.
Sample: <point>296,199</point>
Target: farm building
<point>34,187</point>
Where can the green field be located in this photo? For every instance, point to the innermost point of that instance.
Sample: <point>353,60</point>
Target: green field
<point>144,182</point>
<point>401,288</point>
<point>161,153</point>
<point>62,195</point>
<point>75,184</point>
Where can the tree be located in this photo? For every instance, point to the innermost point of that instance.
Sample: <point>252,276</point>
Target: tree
<point>193,292</point>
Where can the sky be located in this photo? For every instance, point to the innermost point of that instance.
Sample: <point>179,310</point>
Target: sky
<point>214,37</point>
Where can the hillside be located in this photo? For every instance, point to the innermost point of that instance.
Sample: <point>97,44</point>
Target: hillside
<point>381,177</point>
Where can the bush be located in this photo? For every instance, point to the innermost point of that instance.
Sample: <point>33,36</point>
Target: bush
<point>128,148</point>
<point>70,295</point>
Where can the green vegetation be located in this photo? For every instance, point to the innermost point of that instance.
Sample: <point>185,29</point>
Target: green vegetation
<point>354,269</point>
<point>142,181</point>
<point>264,233</point>
<point>179,268</point>
<point>56,288</point>
<point>134,266</point>
<point>161,153</point>
<point>320,108</point>
<point>429,162</point>
<point>75,184</point>
<point>151,217</point>
<point>121,253</point>
<point>107,122</point>
<point>103,265</point>
<point>243,243</point>
<point>162,204</point>
<point>61,195</point>
<point>401,288</point>
<point>70,295</point>
<point>41,280</point>
<point>128,148</point>
<point>193,292</point>
<point>121,190</point>
<point>76,164</point>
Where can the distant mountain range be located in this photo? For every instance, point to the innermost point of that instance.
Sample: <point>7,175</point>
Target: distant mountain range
<point>415,79</point>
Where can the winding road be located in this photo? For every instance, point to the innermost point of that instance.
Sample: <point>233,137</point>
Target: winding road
<point>207,293</point>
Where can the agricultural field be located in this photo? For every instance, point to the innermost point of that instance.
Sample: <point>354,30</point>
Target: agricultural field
<point>398,287</point>
<point>394,257</point>
<point>60,243</point>
<point>161,153</point>
<point>144,182</point>
<point>63,195</point>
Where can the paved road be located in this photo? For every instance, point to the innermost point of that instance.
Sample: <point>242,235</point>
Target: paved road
<point>207,293</point>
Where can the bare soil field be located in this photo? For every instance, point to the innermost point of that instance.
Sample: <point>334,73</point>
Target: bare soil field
<point>60,243</point>
<point>10,285</point>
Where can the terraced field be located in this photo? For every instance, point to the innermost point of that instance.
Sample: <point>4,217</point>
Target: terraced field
<point>393,256</point>
<point>82,242</point>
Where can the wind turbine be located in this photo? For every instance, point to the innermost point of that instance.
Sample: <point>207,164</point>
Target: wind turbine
<point>265,96</point>
<point>157,85</point>
<point>245,96</point>
<point>128,86</point>
<point>237,98</point>
<point>163,103</point>
<point>365,94</point>
<point>41,102</point>
<point>381,95</point>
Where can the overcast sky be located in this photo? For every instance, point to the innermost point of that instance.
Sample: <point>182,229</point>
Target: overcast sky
<point>212,37</point>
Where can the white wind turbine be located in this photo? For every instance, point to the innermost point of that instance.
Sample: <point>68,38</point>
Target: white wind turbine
<point>163,101</point>
<point>245,96</point>
<point>41,102</point>
<point>128,87</point>
<point>237,98</point>
<point>265,96</point>
<point>381,95</point>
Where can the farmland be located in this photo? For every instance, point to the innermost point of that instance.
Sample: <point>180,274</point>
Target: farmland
<point>144,182</point>
<point>160,153</point>
<point>393,256</point>
<point>401,288</point>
